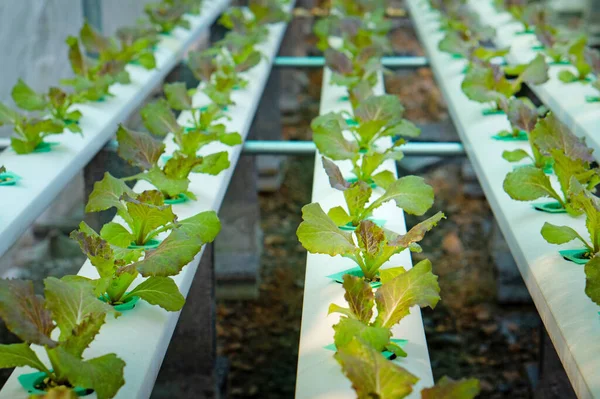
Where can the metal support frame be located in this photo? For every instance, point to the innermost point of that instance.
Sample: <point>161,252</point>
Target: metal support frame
<point>262,147</point>
<point>400,62</point>
<point>92,13</point>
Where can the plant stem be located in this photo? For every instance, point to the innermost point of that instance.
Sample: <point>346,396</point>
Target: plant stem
<point>119,285</point>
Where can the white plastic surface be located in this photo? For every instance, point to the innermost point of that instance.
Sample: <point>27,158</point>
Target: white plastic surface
<point>319,375</point>
<point>567,101</point>
<point>556,285</point>
<point>141,336</point>
<point>44,175</point>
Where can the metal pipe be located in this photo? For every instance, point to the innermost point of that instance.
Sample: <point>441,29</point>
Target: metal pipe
<point>260,147</point>
<point>257,147</point>
<point>319,62</point>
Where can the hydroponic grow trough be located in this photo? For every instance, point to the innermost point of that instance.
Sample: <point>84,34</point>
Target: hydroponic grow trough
<point>319,375</point>
<point>556,285</point>
<point>141,336</point>
<point>44,175</point>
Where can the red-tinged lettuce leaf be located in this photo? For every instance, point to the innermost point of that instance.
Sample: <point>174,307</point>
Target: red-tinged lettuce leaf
<point>72,303</point>
<point>410,193</point>
<point>357,196</point>
<point>336,179</point>
<point>19,355</point>
<point>338,62</point>
<point>455,43</point>
<point>97,250</point>
<point>319,234</point>
<point>371,239</point>
<point>447,388</point>
<point>417,232</point>
<point>328,137</point>
<point>76,57</point>
<point>107,194</point>
<point>176,251</point>
<point>178,96</point>
<point>159,119</point>
<point>103,374</point>
<point>479,84</point>
<point>139,148</point>
<point>180,166</point>
<point>521,114</point>
<point>371,374</point>
<point>160,291</point>
<point>94,42</point>
<point>583,200</point>
<point>360,297</point>
<point>26,98</point>
<point>418,286</point>
<point>551,134</point>
<point>24,312</point>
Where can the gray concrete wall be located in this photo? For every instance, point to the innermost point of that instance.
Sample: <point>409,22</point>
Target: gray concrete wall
<point>32,42</point>
<point>118,13</point>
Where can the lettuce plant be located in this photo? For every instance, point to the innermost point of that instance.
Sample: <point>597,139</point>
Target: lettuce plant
<point>523,117</point>
<point>203,125</point>
<point>400,290</point>
<point>28,133</point>
<point>376,117</point>
<point>131,48</point>
<point>592,279</point>
<point>356,33</point>
<point>584,201</point>
<point>556,46</point>
<point>167,15</point>
<point>219,74</point>
<point>360,8</point>
<point>576,53</point>
<point>374,246</point>
<point>56,102</point>
<point>72,307</point>
<point>92,78</point>
<point>118,267</point>
<point>487,83</point>
<point>410,193</point>
<point>572,158</point>
<point>145,215</point>
<point>592,57</point>
<point>374,376</point>
<point>350,71</point>
<point>171,179</point>
<point>240,49</point>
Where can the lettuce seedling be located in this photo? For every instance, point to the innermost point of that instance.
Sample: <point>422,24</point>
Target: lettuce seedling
<point>556,46</point>
<point>241,50</point>
<point>203,128</point>
<point>146,215</point>
<point>523,117</point>
<point>117,267</point>
<point>318,233</point>
<point>356,33</point>
<point>28,133</point>
<point>360,8</point>
<point>92,78</point>
<point>592,279</point>
<point>576,54</point>
<point>592,57</point>
<point>374,376</point>
<point>487,83</point>
<point>56,102</point>
<point>376,117</point>
<point>76,311</point>
<point>144,152</point>
<point>167,16</point>
<point>350,71</point>
<point>253,24</point>
<point>587,203</point>
<point>410,193</point>
<point>400,290</point>
<point>572,158</point>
